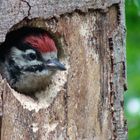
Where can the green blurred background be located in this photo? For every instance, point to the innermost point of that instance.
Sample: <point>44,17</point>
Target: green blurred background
<point>132,96</point>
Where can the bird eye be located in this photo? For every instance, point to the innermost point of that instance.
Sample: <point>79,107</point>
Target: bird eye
<point>32,56</point>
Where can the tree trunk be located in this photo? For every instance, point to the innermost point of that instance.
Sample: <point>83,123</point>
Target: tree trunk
<point>86,101</point>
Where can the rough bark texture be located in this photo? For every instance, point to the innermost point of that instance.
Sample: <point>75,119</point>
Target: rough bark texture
<point>86,101</point>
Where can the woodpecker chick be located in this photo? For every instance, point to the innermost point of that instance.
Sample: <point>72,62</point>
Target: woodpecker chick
<point>28,58</point>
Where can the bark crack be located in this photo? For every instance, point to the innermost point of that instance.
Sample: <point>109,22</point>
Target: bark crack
<point>112,91</point>
<point>29,8</point>
<point>123,72</point>
<point>1,104</point>
<point>66,111</point>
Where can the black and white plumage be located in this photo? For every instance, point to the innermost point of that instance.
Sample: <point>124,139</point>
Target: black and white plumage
<point>28,58</point>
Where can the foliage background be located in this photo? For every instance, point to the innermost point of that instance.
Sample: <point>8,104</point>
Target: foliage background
<point>132,96</point>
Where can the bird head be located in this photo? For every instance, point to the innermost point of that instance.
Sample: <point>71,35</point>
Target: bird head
<point>37,52</point>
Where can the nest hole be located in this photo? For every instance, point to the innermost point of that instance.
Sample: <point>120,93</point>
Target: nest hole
<point>45,95</point>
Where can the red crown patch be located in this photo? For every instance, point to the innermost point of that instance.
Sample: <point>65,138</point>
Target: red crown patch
<point>42,42</point>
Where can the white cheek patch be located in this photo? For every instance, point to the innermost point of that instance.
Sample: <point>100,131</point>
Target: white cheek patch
<point>15,53</point>
<point>30,51</point>
<point>17,56</point>
<point>49,55</point>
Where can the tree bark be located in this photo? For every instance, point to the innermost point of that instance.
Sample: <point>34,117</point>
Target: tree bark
<point>86,101</point>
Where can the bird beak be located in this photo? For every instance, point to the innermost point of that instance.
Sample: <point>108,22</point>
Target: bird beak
<point>54,64</point>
